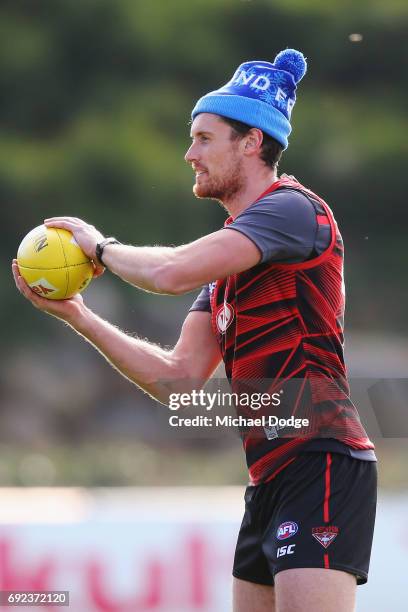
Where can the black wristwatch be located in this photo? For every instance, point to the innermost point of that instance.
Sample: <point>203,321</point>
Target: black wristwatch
<point>101,245</point>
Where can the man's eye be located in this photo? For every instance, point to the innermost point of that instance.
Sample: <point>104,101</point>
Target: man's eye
<point>200,139</point>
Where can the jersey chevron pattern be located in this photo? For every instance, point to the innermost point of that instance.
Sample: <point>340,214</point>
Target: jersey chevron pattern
<point>283,323</point>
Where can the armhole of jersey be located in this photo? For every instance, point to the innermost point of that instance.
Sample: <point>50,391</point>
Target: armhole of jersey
<point>315,261</point>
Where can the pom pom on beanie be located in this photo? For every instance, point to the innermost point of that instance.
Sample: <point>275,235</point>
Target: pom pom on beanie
<point>292,61</point>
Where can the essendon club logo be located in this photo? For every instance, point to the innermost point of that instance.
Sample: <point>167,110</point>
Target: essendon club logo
<point>325,535</point>
<point>224,318</point>
<point>286,530</point>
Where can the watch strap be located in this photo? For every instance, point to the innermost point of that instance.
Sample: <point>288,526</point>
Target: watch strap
<point>100,247</point>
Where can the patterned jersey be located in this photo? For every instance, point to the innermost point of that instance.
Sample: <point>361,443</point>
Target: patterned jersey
<point>280,326</point>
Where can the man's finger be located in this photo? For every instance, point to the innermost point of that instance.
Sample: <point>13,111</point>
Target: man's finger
<point>98,270</point>
<point>16,273</point>
<point>62,222</point>
<point>25,289</point>
<point>69,219</point>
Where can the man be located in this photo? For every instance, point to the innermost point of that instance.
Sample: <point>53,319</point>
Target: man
<point>272,307</point>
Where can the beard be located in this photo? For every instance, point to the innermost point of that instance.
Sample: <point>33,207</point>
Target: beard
<point>222,188</point>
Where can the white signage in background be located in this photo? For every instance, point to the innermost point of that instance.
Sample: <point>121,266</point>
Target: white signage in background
<point>161,550</point>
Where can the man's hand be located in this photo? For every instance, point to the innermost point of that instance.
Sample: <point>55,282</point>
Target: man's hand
<point>66,310</point>
<point>87,236</point>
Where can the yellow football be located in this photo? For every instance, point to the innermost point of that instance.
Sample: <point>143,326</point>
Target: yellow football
<point>52,263</point>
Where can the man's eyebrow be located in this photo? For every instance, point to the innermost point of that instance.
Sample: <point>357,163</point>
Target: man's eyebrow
<point>201,133</point>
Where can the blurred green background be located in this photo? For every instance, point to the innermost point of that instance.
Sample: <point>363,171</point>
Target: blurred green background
<point>94,109</point>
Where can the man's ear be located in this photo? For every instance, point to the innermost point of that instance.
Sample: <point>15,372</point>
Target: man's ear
<point>253,141</point>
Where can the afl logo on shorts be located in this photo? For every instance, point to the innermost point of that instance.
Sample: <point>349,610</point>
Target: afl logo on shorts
<point>286,530</point>
<point>224,318</point>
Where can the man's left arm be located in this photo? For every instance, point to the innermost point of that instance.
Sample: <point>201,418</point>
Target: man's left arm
<point>184,268</point>
<point>168,270</point>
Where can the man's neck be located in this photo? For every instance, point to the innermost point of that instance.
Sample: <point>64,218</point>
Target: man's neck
<point>254,187</point>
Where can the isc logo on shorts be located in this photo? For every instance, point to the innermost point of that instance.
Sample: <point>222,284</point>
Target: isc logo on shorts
<point>286,530</point>
<point>285,550</point>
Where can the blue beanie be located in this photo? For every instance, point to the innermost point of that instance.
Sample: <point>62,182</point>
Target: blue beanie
<point>260,94</point>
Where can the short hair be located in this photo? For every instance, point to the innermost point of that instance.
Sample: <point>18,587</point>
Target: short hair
<point>271,149</point>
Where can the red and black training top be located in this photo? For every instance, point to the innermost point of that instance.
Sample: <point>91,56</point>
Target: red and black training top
<point>282,322</point>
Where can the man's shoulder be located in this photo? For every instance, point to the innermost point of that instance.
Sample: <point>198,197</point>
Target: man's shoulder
<point>285,201</point>
<point>287,195</point>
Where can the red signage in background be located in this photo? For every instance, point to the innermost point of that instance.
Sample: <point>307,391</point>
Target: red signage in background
<point>184,574</point>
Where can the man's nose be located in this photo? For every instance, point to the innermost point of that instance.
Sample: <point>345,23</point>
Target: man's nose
<point>191,154</point>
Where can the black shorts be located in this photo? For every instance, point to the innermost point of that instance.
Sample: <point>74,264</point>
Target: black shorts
<point>318,512</point>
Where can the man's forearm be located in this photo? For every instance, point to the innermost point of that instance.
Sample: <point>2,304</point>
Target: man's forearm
<point>144,267</point>
<point>150,367</point>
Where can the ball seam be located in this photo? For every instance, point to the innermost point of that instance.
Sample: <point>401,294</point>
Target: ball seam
<point>66,262</point>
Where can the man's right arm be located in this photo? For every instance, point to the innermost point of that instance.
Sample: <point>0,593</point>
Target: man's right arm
<point>157,371</point>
